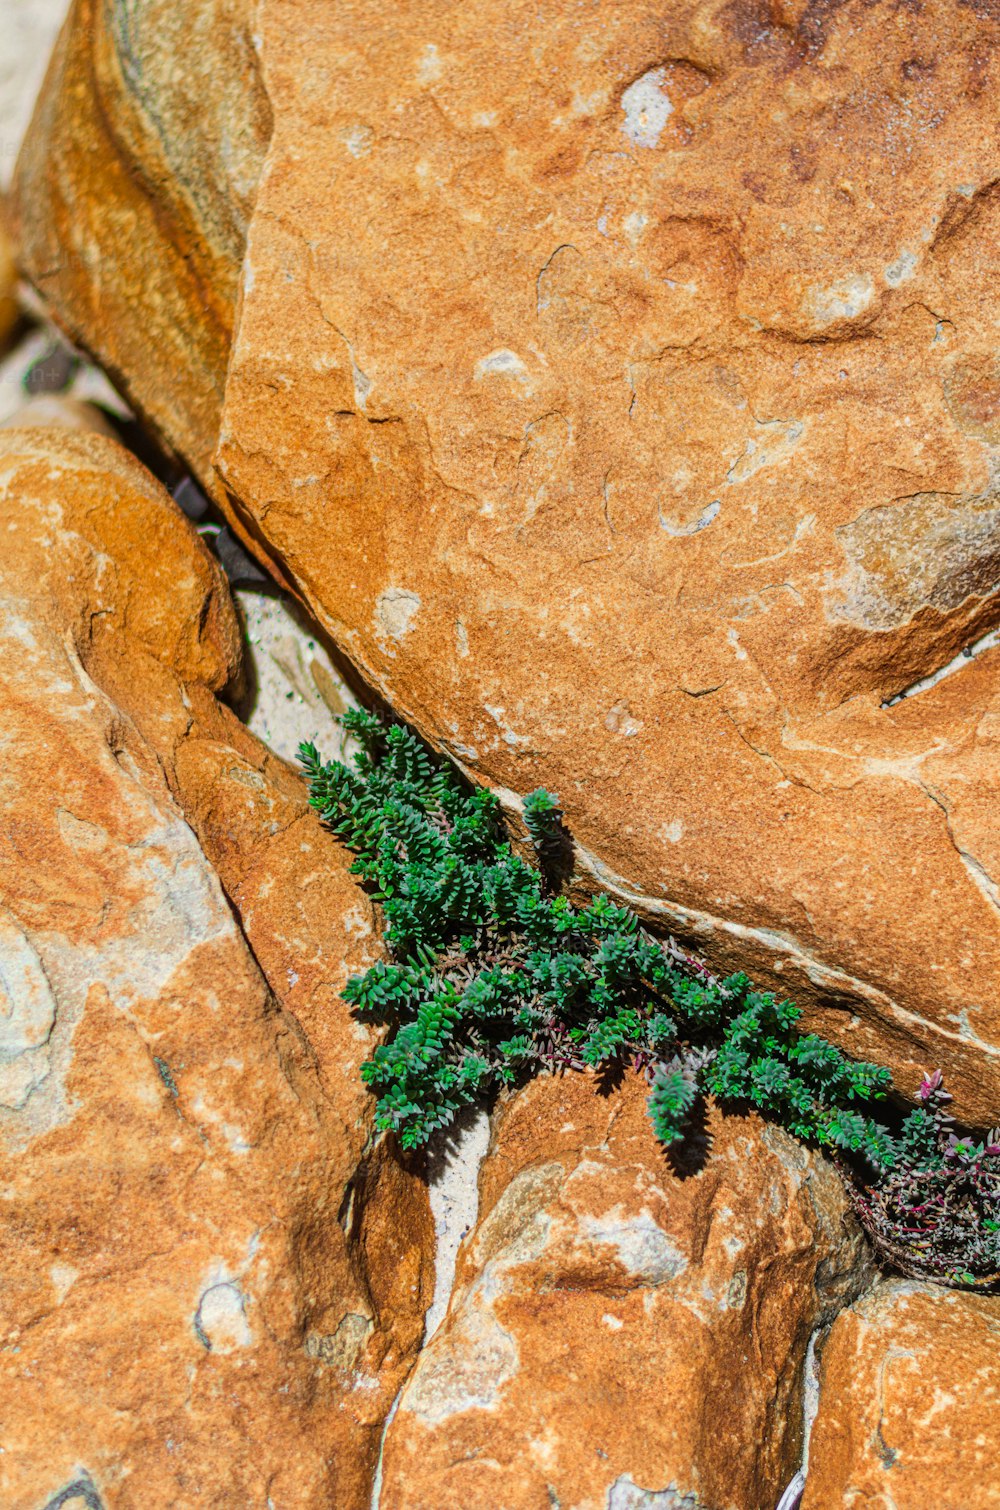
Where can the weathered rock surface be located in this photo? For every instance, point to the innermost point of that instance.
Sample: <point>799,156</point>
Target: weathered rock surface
<point>209,1294</point>
<point>619,1336</point>
<point>909,1404</point>
<point>620,391</point>
<point>173,179</point>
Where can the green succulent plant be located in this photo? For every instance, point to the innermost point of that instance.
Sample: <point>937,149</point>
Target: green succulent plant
<point>493,975</point>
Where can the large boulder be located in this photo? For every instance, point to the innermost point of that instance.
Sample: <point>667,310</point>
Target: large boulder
<point>621,1333</point>
<point>619,389</point>
<point>169,174</point>
<point>211,1283</point>
<point>908,1405</point>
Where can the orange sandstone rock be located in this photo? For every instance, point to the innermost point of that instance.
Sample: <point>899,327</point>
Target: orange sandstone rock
<point>620,1335</point>
<point>210,1286</point>
<point>157,120</point>
<point>618,388</point>
<point>908,1406</point>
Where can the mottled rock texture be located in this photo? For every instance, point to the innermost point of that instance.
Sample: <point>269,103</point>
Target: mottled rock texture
<point>618,385</point>
<point>209,1291</point>
<point>618,1334</point>
<point>908,1407</point>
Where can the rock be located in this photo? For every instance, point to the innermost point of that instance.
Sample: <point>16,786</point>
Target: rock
<point>620,394</point>
<point>908,1405</point>
<point>211,1285</point>
<point>621,1336</point>
<point>52,410</point>
<point>186,100</point>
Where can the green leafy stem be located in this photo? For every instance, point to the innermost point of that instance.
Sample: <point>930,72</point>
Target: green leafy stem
<point>493,975</point>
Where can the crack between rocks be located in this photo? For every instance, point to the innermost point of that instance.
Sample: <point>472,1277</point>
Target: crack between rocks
<point>453,1176</point>
<point>988,641</point>
<point>696,922</point>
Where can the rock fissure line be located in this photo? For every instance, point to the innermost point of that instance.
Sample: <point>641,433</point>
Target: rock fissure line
<point>454,1165</point>
<point>958,662</point>
<point>816,971</point>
